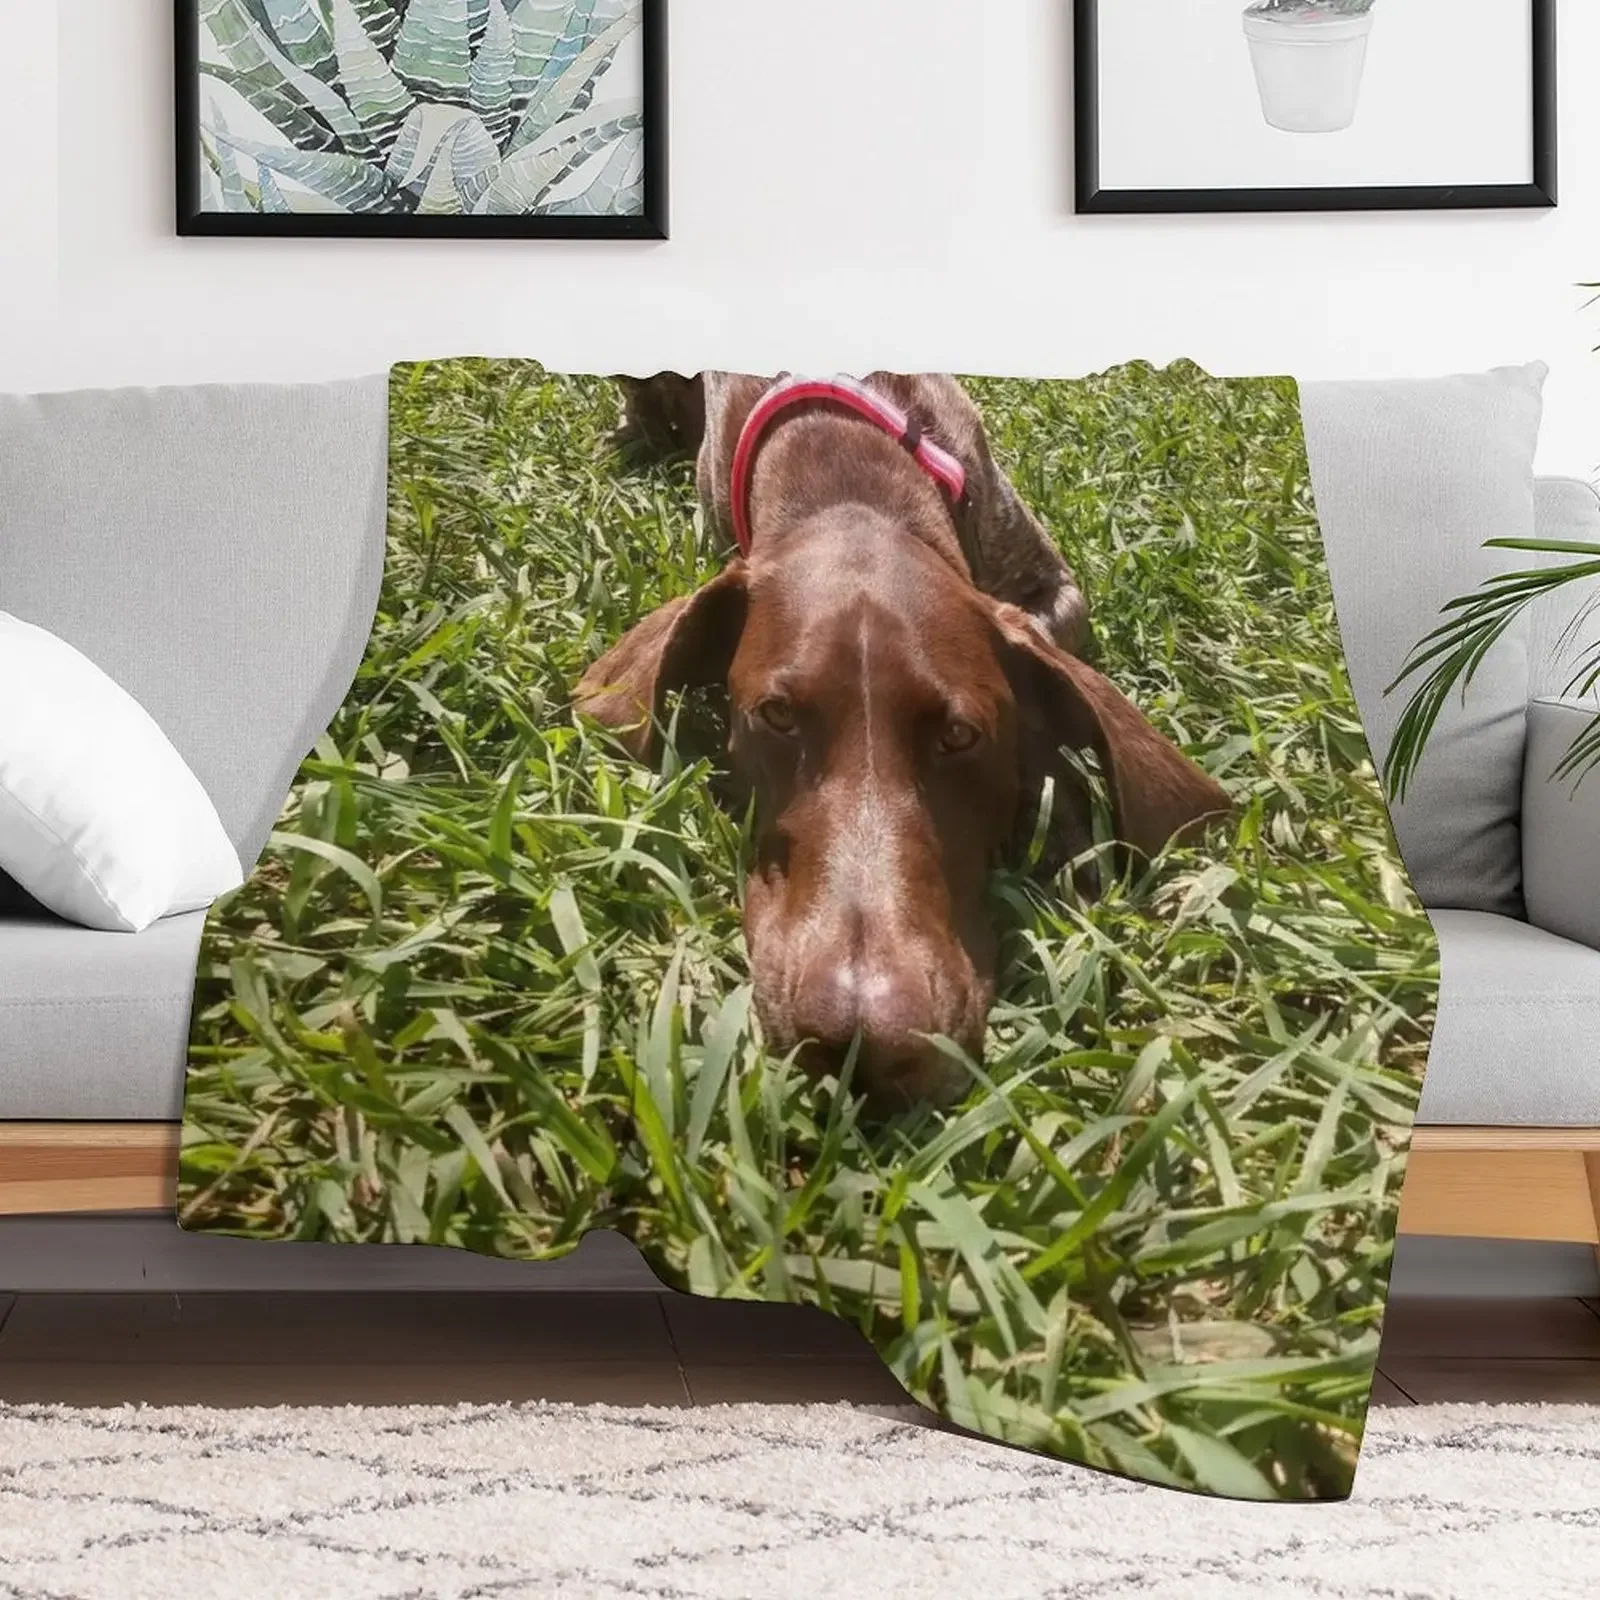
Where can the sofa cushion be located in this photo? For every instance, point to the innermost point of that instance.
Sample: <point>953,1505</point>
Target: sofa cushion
<point>1519,1021</point>
<point>1561,826</point>
<point>95,1025</point>
<point>1411,478</point>
<point>100,818</point>
<point>215,550</point>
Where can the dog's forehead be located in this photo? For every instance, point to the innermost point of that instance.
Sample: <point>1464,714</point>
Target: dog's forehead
<point>863,597</point>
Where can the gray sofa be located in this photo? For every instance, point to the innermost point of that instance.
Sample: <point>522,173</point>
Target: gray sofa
<point>1411,479</point>
<point>218,551</point>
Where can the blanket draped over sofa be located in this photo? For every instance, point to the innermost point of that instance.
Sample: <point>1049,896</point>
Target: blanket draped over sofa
<point>999,943</point>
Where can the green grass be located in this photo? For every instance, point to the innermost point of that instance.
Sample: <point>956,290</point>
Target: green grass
<point>488,986</point>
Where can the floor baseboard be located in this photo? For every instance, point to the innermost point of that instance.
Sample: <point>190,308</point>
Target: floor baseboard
<point>126,1253</point>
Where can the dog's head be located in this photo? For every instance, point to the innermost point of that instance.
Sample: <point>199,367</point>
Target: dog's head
<point>897,728</point>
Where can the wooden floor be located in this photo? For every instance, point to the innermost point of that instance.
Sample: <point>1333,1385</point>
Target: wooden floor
<point>1436,1351</point>
<point>629,1349</point>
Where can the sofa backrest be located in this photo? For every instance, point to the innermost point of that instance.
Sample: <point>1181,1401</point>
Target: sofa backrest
<point>1411,479</point>
<point>216,550</point>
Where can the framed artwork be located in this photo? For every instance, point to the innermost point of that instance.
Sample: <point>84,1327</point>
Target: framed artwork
<point>1314,105</point>
<point>454,119</point>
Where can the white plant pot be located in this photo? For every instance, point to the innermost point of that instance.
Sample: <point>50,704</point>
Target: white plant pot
<point>1308,68</point>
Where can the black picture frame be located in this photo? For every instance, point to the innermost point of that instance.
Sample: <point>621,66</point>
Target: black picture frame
<point>192,222</point>
<point>1090,199</point>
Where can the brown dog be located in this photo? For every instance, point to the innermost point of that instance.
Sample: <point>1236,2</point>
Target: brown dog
<point>902,684</point>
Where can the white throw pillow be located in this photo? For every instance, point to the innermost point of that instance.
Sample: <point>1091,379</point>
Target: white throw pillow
<point>101,819</point>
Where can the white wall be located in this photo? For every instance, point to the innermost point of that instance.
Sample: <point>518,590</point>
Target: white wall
<point>854,184</point>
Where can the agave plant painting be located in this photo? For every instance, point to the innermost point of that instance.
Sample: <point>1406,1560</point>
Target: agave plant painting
<point>426,117</point>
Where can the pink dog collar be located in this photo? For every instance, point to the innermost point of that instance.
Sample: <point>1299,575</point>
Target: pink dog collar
<point>938,463</point>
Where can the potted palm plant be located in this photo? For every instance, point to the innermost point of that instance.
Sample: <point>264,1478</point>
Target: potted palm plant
<point>1308,56</point>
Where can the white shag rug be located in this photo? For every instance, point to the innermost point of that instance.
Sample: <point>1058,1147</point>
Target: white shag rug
<point>1453,1502</point>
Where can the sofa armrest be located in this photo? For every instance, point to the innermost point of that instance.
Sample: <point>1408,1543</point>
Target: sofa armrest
<point>1561,825</point>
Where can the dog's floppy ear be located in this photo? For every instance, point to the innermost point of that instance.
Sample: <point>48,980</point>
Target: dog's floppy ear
<point>1157,793</point>
<point>684,644</point>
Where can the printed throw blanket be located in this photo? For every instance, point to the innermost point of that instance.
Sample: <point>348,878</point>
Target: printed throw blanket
<point>907,847</point>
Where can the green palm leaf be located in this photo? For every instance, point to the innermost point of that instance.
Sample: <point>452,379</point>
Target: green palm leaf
<point>1449,656</point>
<point>1584,756</point>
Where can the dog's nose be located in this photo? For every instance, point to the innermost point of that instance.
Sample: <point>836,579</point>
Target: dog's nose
<point>839,996</point>
<point>892,1007</point>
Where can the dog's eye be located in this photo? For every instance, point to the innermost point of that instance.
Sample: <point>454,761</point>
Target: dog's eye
<point>778,715</point>
<point>957,738</point>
